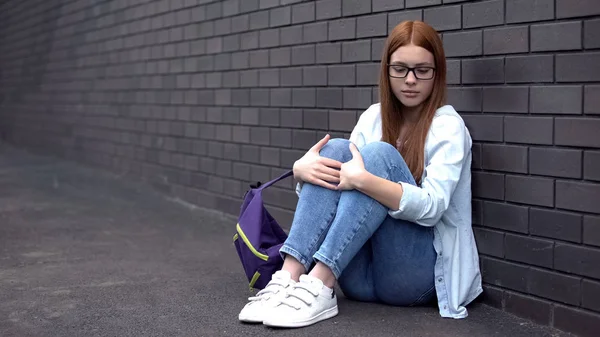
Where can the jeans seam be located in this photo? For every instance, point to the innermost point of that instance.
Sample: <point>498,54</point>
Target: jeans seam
<point>423,295</point>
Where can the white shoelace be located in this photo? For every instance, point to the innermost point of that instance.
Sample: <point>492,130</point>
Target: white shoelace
<point>304,292</point>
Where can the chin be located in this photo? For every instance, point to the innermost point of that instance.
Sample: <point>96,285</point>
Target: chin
<point>411,103</point>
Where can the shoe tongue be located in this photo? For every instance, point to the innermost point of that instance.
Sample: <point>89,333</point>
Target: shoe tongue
<point>282,275</point>
<point>313,281</point>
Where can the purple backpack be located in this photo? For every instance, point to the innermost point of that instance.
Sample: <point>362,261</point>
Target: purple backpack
<point>259,237</point>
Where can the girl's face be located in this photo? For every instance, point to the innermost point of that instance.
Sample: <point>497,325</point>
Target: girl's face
<point>411,71</point>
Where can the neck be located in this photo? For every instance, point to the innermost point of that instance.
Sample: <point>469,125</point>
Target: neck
<point>411,115</point>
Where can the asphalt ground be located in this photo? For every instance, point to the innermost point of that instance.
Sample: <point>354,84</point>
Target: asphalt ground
<point>84,252</point>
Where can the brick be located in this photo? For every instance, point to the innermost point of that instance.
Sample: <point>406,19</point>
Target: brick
<point>555,224</point>
<point>223,26</point>
<point>248,5</point>
<point>288,157</point>
<point>504,158</point>
<point>231,79</point>
<point>505,216</point>
<point>486,70</point>
<point>466,99</point>
<point>302,55</point>
<point>314,32</point>
<point>269,156</point>
<point>356,51</point>
<point>371,25</point>
<point>569,9</point>
<point>592,99</point>
<point>249,78</point>
<point>260,97</point>
<point>214,11</point>
<point>444,18</point>
<point>249,40</point>
<point>268,77</point>
<point>342,29</point>
<point>377,49</point>
<point>303,139</point>
<point>528,130</point>
<point>489,242</point>
<point>493,296</point>
<point>485,128</point>
<point>281,97</point>
<point>280,16</point>
<point>316,119</point>
<point>529,10</point>
<point>269,117</point>
<point>577,132</point>
<point>291,77</point>
<point>555,162</point>
<point>259,20</point>
<point>421,3</point>
<point>505,99</point>
<point>580,322</point>
<point>259,135</point>
<point>529,250</point>
<point>488,185</point>
<point>342,120</point>
<point>537,310</point>
<point>387,5</point>
<point>485,13</point>
<point>506,40</point>
<point>504,274</point>
<point>304,12</point>
<point>452,71</point>
<point>591,35</point>
<point>329,9</point>
<point>291,35</point>
<point>231,7</point>
<point>556,99</point>
<point>355,7</point>
<point>530,190</point>
<point>591,230</point>
<point>281,138</point>
<point>280,57</point>
<point>268,3</point>
<point>269,38</point>
<point>341,75</point>
<point>591,165</point>
<point>357,98</point>
<point>304,97</point>
<point>578,196</point>
<point>291,118</point>
<point>477,212</point>
<point>329,53</point>
<point>556,36</point>
<point>577,67</point>
<point>395,18</point>
<point>476,160</point>
<point>529,69</point>
<point>329,98</point>
<point>259,59</point>
<point>590,295</point>
<point>314,76</point>
<point>578,260</point>
<point>240,97</point>
<point>367,74</point>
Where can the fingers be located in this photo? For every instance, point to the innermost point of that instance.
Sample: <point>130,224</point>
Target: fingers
<point>317,147</point>
<point>329,171</point>
<point>354,150</point>
<point>330,162</point>
<point>323,183</point>
<point>328,178</point>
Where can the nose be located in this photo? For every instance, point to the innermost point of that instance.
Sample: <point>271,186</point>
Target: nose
<point>410,78</point>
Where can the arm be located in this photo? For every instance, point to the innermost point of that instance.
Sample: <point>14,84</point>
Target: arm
<point>387,192</point>
<point>425,205</point>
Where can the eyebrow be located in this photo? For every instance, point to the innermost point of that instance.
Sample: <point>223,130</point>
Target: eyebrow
<point>416,65</point>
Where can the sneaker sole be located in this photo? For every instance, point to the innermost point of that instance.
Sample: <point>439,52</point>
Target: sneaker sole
<point>329,313</point>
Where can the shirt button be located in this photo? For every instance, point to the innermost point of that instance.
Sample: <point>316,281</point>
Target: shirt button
<point>440,279</point>
<point>445,307</point>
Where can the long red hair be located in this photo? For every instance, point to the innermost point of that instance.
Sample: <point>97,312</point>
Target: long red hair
<point>422,35</point>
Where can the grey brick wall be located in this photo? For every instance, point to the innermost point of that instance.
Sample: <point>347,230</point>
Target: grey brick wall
<point>202,97</point>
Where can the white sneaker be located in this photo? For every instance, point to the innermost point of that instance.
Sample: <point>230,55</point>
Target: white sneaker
<point>256,310</point>
<point>307,302</point>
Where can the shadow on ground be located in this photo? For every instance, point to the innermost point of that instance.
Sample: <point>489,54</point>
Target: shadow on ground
<point>87,253</point>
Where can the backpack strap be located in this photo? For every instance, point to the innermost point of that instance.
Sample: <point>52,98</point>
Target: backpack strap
<point>267,184</point>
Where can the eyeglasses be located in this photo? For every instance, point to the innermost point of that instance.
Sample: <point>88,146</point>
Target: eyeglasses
<point>421,73</point>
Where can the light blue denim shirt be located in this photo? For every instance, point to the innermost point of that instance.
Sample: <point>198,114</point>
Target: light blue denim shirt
<point>442,201</point>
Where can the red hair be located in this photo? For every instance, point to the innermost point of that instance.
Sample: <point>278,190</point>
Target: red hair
<point>422,35</point>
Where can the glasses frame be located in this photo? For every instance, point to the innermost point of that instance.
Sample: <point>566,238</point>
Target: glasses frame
<point>412,69</point>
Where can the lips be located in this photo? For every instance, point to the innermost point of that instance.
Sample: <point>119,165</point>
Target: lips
<point>410,92</point>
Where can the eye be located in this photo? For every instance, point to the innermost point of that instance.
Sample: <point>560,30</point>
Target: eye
<point>423,71</point>
<point>399,69</point>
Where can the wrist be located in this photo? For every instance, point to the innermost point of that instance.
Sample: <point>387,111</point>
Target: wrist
<point>362,180</point>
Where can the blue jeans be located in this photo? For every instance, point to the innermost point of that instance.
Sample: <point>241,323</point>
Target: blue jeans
<point>374,257</point>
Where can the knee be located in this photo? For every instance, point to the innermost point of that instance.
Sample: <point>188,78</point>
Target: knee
<point>381,152</point>
<point>338,149</point>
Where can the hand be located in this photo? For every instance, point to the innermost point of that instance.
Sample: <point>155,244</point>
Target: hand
<point>352,171</point>
<point>317,170</point>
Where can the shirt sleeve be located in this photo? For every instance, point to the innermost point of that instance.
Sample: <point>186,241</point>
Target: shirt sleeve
<point>450,146</point>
